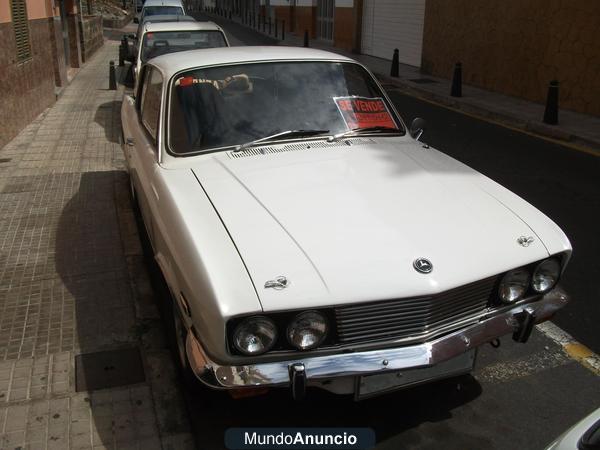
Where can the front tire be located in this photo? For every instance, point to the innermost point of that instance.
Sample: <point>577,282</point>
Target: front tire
<point>178,335</point>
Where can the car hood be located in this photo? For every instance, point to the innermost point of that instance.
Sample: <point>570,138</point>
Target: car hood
<point>344,223</point>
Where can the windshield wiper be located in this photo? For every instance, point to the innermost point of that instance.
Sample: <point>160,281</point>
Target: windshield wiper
<point>281,135</point>
<point>355,131</point>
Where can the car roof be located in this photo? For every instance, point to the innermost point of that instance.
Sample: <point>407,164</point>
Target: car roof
<point>163,3</point>
<point>180,26</point>
<point>172,63</point>
<point>169,18</point>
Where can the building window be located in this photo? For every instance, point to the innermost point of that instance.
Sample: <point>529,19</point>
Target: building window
<point>21,27</point>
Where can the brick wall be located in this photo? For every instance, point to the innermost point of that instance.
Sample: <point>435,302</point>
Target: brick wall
<point>517,47</point>
<point>58,51</point>
<point>26,88</point>
<point>91,36</point>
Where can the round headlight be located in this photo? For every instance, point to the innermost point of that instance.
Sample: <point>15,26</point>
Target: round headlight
<point>545,275</point>
<point>307,330</point>
<point>255,335</point>
<point>513,285</point>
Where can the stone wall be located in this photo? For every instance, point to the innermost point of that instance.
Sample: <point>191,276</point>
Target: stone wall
<point>91,36</point>
<point>27,87</point>
<point>58,51</point>
<point>517,47</point>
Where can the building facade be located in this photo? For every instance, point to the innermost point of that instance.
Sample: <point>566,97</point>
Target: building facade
<point>510,46</point>
<point>517,47</point>
<point>40,42</point>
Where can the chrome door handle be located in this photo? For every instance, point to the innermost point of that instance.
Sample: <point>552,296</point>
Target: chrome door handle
<point>130,142</point>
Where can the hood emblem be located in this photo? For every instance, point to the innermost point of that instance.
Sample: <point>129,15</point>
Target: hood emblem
<point>278,283</point>
<point>524,241</point>
<point>422,265</point>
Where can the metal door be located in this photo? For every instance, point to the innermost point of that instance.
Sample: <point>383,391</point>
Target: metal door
<point>325,12</point>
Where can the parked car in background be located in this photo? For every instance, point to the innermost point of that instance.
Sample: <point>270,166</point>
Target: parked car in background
<point>160,7</point>
<point>169,37</point>
<point>307,236</point>
<point>161,18</point>
<point>134,39</point>
<point>584,435</point>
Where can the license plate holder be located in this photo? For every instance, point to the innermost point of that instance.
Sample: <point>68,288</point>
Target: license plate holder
<point>380,383</point>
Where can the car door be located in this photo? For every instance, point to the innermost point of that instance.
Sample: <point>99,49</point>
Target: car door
<point>142,149</point>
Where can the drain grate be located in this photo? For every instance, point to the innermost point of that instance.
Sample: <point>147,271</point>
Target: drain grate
<point>108,369</point>
<point>5,160</point>
<point>423,80</point>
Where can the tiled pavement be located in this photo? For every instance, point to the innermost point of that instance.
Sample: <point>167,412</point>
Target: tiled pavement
<point>68,254</point>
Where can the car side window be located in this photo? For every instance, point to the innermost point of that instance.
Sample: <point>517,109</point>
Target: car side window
<point>151,96</point>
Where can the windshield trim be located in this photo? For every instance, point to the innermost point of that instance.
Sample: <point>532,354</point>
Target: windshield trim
<point>167,123</point>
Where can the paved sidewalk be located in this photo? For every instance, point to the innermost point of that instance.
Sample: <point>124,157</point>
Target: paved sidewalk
<point>69,256</point>
<point>573,127</point>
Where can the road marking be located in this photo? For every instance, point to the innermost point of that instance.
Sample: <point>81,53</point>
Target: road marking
<point>531,364</point>
<point>574,349</point>
<point>570,145</point>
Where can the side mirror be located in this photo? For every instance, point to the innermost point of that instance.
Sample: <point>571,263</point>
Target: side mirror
<point>417,127</point>
<point>136,20</point>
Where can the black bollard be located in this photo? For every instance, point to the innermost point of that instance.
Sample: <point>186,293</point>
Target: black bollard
<point>306,38</point>
<point>283,30</point>
<point>456,90</point>
<point>229,14</point>
<point>112,78</point>
<point>276,28</point>
<point>269,25</point>
<point>122,48</point>
<point>264,23</point>
<point>395,70</point>
<point>551,111</point>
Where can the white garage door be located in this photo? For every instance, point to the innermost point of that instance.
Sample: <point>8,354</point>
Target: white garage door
<point>390,24</point>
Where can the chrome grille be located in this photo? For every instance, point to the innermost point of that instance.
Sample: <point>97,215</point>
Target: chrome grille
<point>412,317</point>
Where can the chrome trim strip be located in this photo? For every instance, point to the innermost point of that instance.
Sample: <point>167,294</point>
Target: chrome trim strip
<point>379,361</point>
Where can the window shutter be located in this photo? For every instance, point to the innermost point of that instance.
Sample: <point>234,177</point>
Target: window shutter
<point>21,27</point>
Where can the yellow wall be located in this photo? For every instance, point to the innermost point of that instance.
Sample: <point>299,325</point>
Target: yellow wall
<point>36,9</point>
<point>517,47</point>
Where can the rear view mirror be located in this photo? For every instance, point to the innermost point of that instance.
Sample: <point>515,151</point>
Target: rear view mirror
<point>417,127</point>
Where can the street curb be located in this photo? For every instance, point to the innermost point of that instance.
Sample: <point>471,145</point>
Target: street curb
<point>469,106</point>
<point>571,347</point>
<point>169,406</point>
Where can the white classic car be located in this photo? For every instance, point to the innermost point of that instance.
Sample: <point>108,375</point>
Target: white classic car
<point>159,7</point>
<point>309,239</point>
<point>160,38</point>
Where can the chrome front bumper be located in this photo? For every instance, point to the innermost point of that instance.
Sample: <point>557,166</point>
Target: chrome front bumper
<point>319,368</point>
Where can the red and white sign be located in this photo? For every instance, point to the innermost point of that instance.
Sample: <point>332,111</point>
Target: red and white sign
<point>363,112</point>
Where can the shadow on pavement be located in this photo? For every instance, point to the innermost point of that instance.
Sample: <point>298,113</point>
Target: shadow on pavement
<point>92,266</point>
<point>108,116</point>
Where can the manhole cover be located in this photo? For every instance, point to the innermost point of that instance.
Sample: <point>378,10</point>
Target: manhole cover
<point>423,80</point>
<point>108,369</point>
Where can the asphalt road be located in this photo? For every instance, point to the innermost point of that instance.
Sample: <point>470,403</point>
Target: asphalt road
<point>520,396</point>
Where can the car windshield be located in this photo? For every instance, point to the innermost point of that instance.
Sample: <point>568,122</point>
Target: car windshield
<point>162,10</point>
<point>159,43</point>
<point>233,105</point>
